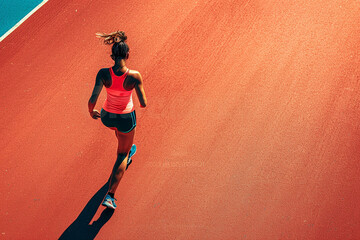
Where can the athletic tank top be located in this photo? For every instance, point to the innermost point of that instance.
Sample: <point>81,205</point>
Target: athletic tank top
<point>118,99</point>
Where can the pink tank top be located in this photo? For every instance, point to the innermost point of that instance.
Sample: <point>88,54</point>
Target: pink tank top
<point>118,99</point>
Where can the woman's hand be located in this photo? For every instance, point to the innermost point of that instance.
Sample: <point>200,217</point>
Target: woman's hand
<point>95,114</point>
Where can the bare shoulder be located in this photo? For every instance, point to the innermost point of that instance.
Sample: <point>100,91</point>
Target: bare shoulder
<point>135,75</point>
<point>103,72</point>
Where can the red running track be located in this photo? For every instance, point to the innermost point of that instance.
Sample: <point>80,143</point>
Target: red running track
<point>252,129</point>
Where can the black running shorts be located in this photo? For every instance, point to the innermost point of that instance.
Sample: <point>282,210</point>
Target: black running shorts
<point>123,122</point>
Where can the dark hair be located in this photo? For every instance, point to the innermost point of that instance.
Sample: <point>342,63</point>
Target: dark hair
<point>120,49</point>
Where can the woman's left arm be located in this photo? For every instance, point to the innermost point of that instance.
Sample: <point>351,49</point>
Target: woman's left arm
<point>95,94</point>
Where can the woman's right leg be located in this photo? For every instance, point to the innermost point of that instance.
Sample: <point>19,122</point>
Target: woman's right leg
<point>125,141</point>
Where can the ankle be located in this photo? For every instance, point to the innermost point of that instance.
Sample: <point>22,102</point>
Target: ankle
<point>111,194</point>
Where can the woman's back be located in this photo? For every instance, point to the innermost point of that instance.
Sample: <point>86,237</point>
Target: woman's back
<point>118,100</point>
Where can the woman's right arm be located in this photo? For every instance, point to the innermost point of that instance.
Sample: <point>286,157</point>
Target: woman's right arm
<point>140,92</point>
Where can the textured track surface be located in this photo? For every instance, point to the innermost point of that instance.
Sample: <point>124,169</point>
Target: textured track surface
<point>252,129</point>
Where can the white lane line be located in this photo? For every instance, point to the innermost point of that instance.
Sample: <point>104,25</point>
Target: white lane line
<point>22,20</point>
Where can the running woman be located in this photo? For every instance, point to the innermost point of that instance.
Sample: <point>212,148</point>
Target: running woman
<point>118,111</point>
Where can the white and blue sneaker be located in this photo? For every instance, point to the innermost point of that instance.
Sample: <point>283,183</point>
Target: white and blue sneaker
<point>109,202</point>
<point>131,153</point>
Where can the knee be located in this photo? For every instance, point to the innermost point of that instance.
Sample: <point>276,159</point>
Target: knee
<point>120,166</point>
<point>120,171</point>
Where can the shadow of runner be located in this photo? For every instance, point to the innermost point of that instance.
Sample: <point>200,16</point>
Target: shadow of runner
<point>80,228</point>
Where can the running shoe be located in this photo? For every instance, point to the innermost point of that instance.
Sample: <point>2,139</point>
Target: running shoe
<point>109,202</point>
<point>131,153</point>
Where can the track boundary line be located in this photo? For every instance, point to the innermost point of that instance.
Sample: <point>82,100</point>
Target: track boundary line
<point>23,20</point>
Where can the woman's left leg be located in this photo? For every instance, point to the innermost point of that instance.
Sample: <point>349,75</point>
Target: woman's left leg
<point>125,141</point>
